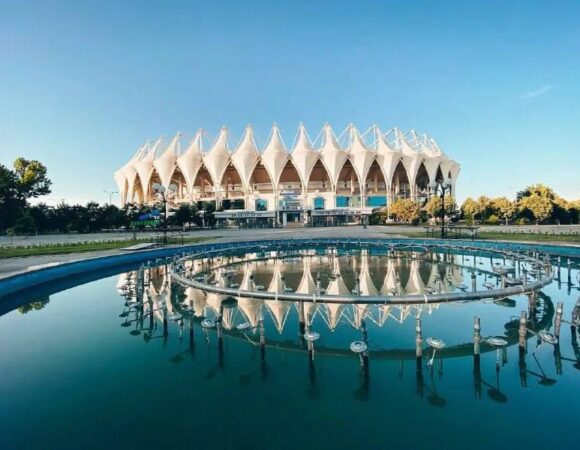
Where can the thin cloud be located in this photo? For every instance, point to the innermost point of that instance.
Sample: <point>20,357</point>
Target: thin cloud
<point>541,91</point>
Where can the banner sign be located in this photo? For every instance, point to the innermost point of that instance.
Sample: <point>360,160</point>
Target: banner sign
<point>342,212</point>
<point>153,214</point>
<point>243,214</point>
<point>145,223</point>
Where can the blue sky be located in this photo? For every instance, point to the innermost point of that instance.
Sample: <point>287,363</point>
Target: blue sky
<point>496,83</point>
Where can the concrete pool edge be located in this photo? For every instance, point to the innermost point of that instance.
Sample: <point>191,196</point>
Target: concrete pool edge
<point>31,278</point>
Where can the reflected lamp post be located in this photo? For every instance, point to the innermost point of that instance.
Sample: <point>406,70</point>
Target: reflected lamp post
<point>440,188</point>
<point>163,194</point>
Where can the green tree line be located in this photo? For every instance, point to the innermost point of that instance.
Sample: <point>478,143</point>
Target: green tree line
<point>535,204</point>
<point>92,217</point>
<point>28,180</point>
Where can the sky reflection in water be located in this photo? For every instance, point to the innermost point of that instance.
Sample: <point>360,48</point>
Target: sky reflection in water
<point>93,369</point>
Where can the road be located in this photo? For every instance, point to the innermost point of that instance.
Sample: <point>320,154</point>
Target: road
<point>266,232</point>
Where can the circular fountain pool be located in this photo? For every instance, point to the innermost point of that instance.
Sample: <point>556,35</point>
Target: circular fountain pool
<point>268,345</point>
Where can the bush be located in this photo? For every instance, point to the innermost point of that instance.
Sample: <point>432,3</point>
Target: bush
<point>376,218</point>
<point>492,220</point>
<point>522,221</point>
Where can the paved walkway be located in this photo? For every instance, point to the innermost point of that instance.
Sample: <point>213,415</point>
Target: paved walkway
<point>11,266</point>
<point>264,232</point>
<point>230,233</point>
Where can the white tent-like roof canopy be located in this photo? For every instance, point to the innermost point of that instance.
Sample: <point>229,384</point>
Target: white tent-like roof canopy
<point>392,150</point>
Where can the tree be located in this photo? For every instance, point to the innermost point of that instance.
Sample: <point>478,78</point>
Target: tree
<point>433,206</point>
<point>562,210</point>
<point>11,202</point>
<point>27,180</point>
<point>504,208</point>
<point>32,178</point>
<point>476,210</point>
<point>182,215</point>
<point>209,218</point>
<point>93,218</point>
<point>405,210</point>
<point>574,211</point>
<point>537,189</point>
<point>540,207</point>
<point>484,207</point>
<point>195,217</point>
<point>112,217</point>
<point>41,217</point>
<point>24,224</point>
<point>540,202</point>
<point>379,216</point>
<point>469,209</point>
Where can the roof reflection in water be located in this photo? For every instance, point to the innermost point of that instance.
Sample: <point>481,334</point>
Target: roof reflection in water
<point>151,290</point>
<point>309,274</point>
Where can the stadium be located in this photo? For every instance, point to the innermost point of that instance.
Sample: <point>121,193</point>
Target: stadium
<point>330,180</point>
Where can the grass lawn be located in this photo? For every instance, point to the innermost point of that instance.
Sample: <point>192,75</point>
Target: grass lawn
<point>59,249</point>
<point>497,236</point>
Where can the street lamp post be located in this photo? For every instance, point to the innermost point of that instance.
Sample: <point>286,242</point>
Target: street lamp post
<point>441,187</point>
<point>110,194</point>
<point>163,195</point>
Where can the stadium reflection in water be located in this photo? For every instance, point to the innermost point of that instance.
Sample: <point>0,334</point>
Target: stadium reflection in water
<point>154,305</point>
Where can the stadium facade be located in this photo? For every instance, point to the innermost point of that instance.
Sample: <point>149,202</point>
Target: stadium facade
<point>331,180</point>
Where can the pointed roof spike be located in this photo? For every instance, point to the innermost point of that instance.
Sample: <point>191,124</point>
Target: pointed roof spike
<point>196,143</point>
<point>129,170</point>
<point>389,155</point>
<point>362,157</point>
<point>247,137</point>
<point>165,164</point>
<point>173,146</point>
<point>303,156</point>
<point>275,156</point>
<point>355,136</point>
<point>302,138</point>
<point>246,156</point>
<point>332,155</point>
<point>217,159</point>
<point>155,147</point>
<point>141,151</point>
<point>405,146</point>
<point>144,167</point>
<point>382,143</point>
<point>328,133</point>
<point>276,135</point>
<point>190,162</point>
